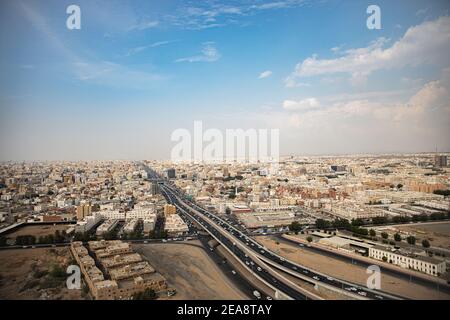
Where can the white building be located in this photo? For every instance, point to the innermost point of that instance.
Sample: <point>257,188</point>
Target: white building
<point>106,227</point>
<point>112,214</point>
<point>423,264</point>
<point>88,223</point>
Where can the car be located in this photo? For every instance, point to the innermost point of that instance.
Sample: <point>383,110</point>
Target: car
<point>247,263</point>
<point>330,279</point>
<point>362,293</point>
<point>348,288</point>
<point>233,272</point>
<point>268,298</point>
<point>262,251</point>
<point>301,244</point>
<point>316,278</point>
<point>259,269</point>
<point>379,297</point>
<point>294,268</point>
<point>305,271</point>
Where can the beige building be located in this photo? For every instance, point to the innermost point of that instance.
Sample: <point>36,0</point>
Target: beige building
<point>169,209</point>
<point>128,273</point>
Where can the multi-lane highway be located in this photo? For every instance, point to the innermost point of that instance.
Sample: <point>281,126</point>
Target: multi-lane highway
<point>259,269</point>
<point>218,227</point>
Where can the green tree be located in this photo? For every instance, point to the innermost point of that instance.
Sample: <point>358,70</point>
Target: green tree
<point>322,224</point>
<point>397,237</point>
<point>309,239</point>
<point>384,258</point>
<point>425,243</point>
<point>372,233</point>
<point>411,240</point>
<point>295,226</point>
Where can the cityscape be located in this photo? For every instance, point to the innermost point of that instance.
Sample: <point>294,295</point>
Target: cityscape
<point>212,150</point>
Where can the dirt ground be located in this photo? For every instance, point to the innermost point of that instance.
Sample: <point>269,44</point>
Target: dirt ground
<point>347,271</point>
<point>37,231</point>
<point>189,270</point>
<point>24,275</point>
<point>437,233</point>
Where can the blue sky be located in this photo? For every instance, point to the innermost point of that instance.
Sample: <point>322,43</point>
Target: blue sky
<point>137,70</point>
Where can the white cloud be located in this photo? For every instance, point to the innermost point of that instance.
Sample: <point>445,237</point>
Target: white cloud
<point>144,25</point>
<point>302,105</point>
<point>153,45</point>
<point>265,74</point>
<point>208,54</point>
<point>427,43</point>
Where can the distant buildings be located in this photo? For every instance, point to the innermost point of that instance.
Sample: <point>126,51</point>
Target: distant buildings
<point>440,161</point>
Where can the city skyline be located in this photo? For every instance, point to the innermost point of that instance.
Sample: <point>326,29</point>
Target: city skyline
<point>135,72</point>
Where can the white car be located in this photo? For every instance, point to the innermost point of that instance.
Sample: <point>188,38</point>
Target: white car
<point>259,269</point>
<point>361,293</point>
<point>316,278</point>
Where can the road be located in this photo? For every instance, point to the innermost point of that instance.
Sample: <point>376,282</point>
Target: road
<point>176,197</point>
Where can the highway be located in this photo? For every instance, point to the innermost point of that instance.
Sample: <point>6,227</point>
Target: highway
<point>258,268</point>
<point>267,256</point>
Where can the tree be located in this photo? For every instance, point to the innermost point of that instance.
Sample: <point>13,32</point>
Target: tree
<point>372,233</point>
<point>411,240</point>
<point>384,258</point>
<point>2,241</point>
<point>425,243</point>
<point>357,222</point>
<point>442,192</point>
<point>322,224</point>
<point>295,226</point>
<point>310,239</point>
<point>379,220</point>
<point>397,237</point>
<point>399,186</point>
<point>147,294</point>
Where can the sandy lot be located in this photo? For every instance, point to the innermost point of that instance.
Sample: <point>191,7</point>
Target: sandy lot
<point>37,231</point>
<point>349,272</point>
<point>437,233</point>
<point>23,274</point>
<point>189,270</point>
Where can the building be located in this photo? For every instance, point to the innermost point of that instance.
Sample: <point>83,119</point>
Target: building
<point>120,274</point>
<point>88,223</point>
<point>83,210</point>
<point>106,227</point>
<point>171,174</point>
<point>154,188</point>
<point>440,161</point>
<point>131,225</point>
<point>169,210</point>
<point>412,261</point>
<point>175,226</point>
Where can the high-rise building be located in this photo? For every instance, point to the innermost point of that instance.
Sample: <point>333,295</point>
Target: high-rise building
<point>171,173</point>
<point>154,189</point>
<point>440,161</point>
<point>83,210</point>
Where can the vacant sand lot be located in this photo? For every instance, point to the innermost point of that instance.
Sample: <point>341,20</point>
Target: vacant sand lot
<point>24,274</point>
<point>37,231</point>
<point>347,271</point>
<point>190,271</point>
<point>437,233</point>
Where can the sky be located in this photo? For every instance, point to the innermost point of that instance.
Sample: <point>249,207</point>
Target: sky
<point>137,70</point>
